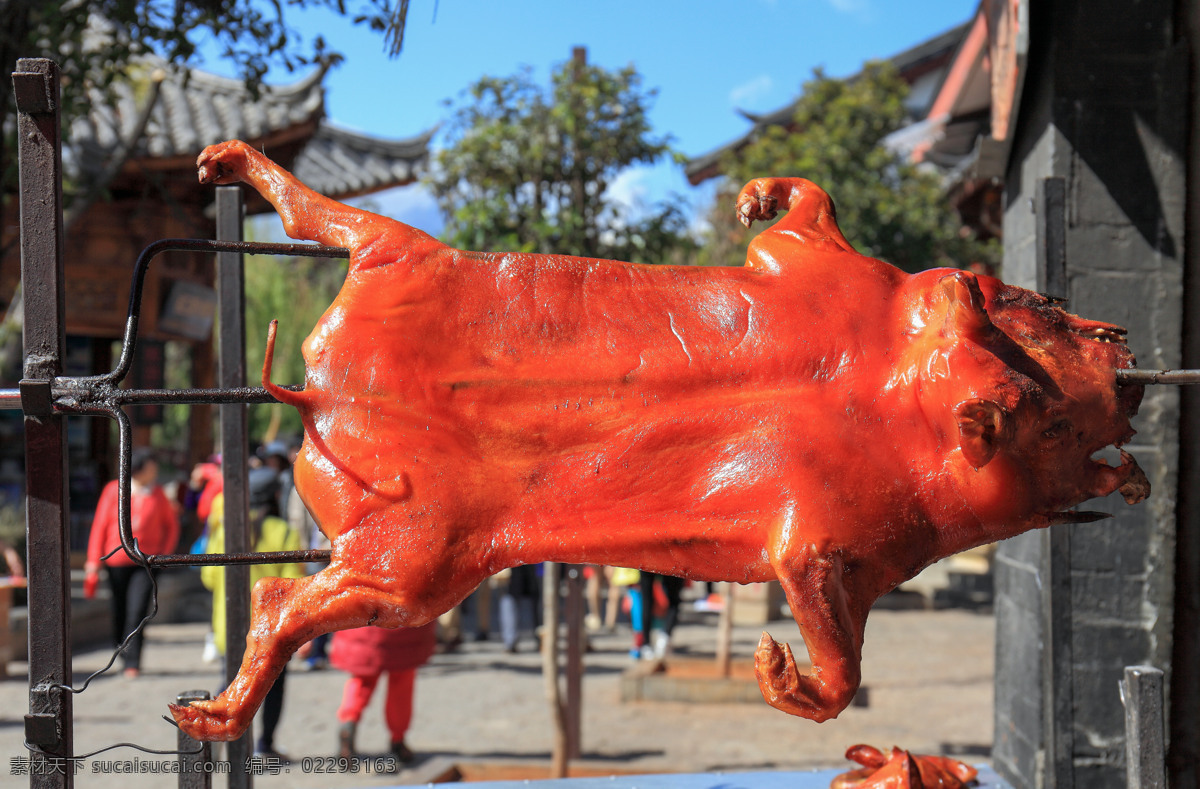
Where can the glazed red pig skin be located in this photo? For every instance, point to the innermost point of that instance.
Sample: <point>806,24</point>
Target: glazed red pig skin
<point>815,416</point>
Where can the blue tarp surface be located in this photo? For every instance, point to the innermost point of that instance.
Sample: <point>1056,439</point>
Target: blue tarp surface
<point>752,780</point>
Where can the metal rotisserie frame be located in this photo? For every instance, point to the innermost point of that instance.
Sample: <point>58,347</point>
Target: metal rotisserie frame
<point>46,398</point>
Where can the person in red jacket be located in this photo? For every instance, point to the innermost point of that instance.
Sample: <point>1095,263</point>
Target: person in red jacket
<point>156,529</point>
<point>366,653</point>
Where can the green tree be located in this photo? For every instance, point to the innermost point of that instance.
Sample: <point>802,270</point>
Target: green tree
<point>96,43</point>
<point>887,207</point>
<point>296,291</point>
<point>527,168</point>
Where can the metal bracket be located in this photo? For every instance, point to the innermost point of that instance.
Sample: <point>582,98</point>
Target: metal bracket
<point>37,398</point>
<point>41,730</point>
<point>31,89</point>
<point>195,758</point>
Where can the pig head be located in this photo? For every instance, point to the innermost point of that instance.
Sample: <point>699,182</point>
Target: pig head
<point>1030,392</point>
<point>816,416</point>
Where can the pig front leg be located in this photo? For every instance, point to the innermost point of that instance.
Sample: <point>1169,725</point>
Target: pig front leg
<point>833,632</point>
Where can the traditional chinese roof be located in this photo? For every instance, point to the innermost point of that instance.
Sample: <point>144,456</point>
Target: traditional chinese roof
<point>965,133</point>
<point>193,109</point>
<point>189,109</point>
<point>959,112</point>
<point>924,66</point>
<point>346,163</point>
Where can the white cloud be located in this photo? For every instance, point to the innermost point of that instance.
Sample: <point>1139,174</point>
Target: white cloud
<point>749,94</point>
<point>629,190</point>
<point>641,189</point>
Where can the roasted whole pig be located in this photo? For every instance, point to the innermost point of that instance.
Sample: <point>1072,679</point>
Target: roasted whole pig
<point>903,770</point>
<point>816,416</point>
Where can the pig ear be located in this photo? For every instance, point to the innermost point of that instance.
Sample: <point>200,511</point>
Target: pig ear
<point>965,314</point>
<point>980,430</point>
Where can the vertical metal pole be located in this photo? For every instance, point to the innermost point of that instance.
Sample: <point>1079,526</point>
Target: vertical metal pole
<point>550,669</point>
<point>576,641</point>
<point>1145,743</point>
<point>39,149</point>
<point>231,304</point>
<point>725,633</point>
<point>1057,688</point>
<point>195,758</point>
<point>1057,657</point>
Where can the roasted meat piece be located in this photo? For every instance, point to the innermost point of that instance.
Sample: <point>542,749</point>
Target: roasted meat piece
<point>903,770</point>
<point>816,416</point>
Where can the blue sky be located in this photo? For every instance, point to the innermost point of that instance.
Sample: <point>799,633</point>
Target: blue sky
<point>707,59</point>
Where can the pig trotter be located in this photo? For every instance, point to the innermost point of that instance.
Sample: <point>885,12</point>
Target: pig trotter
<point>810,214</point>
<point>209,721</point>
<point>866,755</point>
<point>222,164</point>
<point>280,622</point>
<point>756,205</point>
<point>831,624</point>
<point>903,770</point>
<point>909,773</point>
<point>784,688</point>
<point>775,667</point>
<point>306,215</point>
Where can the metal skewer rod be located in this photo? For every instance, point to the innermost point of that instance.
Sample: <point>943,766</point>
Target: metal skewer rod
<point>11,398</point>
<point>1158,377</point>
<point>69,399</point>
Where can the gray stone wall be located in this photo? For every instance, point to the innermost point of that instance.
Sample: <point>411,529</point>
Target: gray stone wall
<point>1105,110</point>
<point>1017,749</point>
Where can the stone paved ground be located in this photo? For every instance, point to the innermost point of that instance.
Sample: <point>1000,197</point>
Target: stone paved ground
<point>929,675</point>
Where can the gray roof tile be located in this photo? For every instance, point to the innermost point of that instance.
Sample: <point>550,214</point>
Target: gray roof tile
<point>195,109</point>
<point>341,162</point>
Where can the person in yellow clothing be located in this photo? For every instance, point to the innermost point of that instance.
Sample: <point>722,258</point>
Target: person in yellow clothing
<point>269,532</point>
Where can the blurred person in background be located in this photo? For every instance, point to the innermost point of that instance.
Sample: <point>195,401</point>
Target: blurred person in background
<point>278,456</point>
<point>522,590</point>
<point>671,588</point>
<point>13,566</point>
<point>366,653</point>
<point>204,484</point>
<point>155,530</point>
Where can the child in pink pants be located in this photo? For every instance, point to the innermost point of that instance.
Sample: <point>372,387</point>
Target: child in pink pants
<point>367,653</point>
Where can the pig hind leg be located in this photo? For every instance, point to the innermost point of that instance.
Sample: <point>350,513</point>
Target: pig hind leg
<point>288,613</point>
<point>305,213</point>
